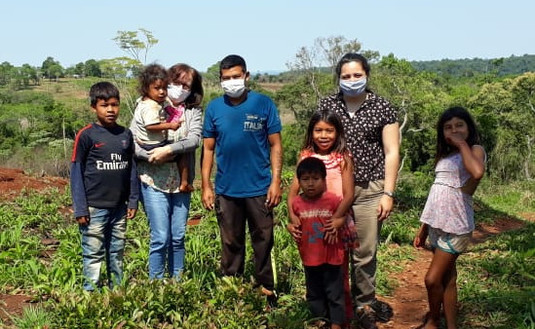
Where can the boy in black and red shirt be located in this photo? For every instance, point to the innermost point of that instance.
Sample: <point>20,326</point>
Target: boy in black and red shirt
<point>322,260</point>
<point>105,187</point>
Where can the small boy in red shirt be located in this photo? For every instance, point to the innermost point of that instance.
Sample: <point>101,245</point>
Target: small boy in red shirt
<point>322,260</point>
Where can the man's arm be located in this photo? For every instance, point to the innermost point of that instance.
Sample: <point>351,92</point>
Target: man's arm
<point>206,172</point>
<point>274,191</point>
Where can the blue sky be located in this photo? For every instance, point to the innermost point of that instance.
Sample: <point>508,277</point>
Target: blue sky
<point>267,34</point>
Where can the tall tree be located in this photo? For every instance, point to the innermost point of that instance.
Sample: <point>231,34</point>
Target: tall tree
<point>120,70</point>
<point>55,71</point>
<point>29,74</point>
<point>419,103</point>
<point>505,110</point>
<point>92,68</point>
<point>211,77</point>
<point>135,45</point>
<point>334,47</point>
<point>6,71</point>
<point>51,68</point>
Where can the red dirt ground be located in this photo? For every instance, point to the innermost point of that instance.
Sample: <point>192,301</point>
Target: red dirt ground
<point>13,181</point>
<point>410,297</point>
<point>409,300</point>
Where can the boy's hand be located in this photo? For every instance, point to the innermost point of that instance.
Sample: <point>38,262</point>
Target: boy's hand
<point>83,220</point>
<point>131,213</point>
<point>295,231</point>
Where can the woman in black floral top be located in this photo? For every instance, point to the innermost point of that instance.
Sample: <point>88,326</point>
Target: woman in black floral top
<point>372,133</point>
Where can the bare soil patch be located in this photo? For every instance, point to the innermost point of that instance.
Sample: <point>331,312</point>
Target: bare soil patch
<point>409,301</point>
<point>500,225</point>
<point>194,220</point>
<point>529,216</point>
<point>14,181</point>
<point>12,305</point>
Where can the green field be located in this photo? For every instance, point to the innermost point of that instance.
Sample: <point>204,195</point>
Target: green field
<point>496,278</point>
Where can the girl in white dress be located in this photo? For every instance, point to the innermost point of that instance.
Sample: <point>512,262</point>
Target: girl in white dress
<point>448,215</point>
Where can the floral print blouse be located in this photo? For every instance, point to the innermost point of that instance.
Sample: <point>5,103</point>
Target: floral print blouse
<point>363,132</point>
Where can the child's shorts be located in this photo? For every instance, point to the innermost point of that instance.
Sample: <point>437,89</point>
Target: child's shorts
<point>448,242</point>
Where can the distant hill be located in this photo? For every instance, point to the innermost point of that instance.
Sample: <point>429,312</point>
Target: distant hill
<point>468,67</point>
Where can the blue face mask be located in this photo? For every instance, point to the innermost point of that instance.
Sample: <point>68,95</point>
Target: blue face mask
<point>353,88</point>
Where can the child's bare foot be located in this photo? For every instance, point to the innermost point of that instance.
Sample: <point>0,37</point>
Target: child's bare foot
<point>186,188</point>
<point>431,323</point>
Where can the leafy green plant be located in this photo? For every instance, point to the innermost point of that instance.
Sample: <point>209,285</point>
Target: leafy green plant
<point>32,318</point>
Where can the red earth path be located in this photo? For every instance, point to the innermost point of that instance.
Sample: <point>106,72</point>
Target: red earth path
<point>409,300</point>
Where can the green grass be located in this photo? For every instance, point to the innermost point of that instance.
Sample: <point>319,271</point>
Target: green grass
<point>513,198</point>
<point>496,278</point>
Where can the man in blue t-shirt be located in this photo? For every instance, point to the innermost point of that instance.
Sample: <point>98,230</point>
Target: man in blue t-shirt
<point>243,128</point>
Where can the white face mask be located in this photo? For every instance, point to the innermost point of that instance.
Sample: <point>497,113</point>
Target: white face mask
<point>233,88</point>
<point>353,88</point>
<point>177,94</point>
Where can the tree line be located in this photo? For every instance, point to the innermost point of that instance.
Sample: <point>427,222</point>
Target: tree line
<point>503,66</point>
<point>503,105</point>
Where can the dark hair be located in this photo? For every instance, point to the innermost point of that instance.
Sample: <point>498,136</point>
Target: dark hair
<point>231,61</point>
<point>331,118</point>
<point>443,148</point>
<point>103,90</point>
<point>311,165</point>
<point>352,57</point>
<point>149,75</point>
<point>197,92</point>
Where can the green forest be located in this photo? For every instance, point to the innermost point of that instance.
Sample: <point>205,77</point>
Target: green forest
<point>42,108</point>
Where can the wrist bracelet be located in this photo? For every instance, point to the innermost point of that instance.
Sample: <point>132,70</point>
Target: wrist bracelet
<point>390,194</point>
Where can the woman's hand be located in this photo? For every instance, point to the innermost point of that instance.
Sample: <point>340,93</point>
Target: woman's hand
<point>331,229</point>
<point>331,236</point>
<point>161,155</point>
<point>334,224</point>
<point>386,204</point>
